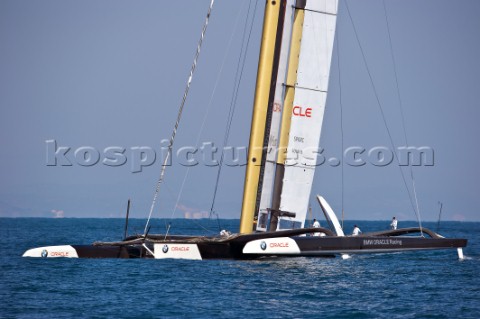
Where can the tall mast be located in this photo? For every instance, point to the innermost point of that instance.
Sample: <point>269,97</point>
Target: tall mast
<point>269,160</point>
<point>266,66</point>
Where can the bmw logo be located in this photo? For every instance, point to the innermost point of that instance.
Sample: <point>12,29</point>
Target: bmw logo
<point>263,245</point>
<point>44,253</point>
<point>165,249</point>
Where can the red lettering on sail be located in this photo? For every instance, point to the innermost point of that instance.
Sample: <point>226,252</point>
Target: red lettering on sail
<point>299,111</point>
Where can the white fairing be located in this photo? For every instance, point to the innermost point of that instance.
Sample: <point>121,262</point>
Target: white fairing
<point>330,215</point>
<point>176,251</point>
<point>460,253</point>
<point>271,157</point>
<point>65,251</point>
<point>272,246</point>
<point>308,109</point>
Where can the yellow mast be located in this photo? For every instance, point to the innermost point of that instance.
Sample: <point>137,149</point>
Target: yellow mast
<point>260,108</point>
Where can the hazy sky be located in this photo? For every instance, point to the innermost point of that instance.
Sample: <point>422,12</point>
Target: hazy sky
<point>101,74</point>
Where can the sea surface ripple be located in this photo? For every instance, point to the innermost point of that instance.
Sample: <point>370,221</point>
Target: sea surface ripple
<point>432,284</point>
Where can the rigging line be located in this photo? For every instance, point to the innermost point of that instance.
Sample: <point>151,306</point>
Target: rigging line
<point>233,103</point>
<point>169,221</point>
<point>179,116</point>
<point>210,103</point>
<point>229,116</point>
<point>341,122</point>
<point>380,107</point>
<point>401,111</point>
<point>193,221</point>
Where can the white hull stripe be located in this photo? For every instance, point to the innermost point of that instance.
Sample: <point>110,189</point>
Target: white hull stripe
<point>272,246</point>
<point>177,251</point>
<point>65,251</point>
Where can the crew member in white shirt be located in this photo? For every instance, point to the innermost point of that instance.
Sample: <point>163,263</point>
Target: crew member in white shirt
<point>394,223</point>
<point>316,224</point>
<point>356,231</point>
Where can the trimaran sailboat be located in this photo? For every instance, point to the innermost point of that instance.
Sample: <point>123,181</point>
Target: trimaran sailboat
<point>290,97</point>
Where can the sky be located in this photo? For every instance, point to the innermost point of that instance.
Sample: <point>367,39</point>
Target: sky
<point>95,77</point>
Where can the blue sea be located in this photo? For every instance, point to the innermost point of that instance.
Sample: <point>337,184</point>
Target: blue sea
<point>432,284</point>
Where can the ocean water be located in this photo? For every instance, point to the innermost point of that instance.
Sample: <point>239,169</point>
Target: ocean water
<point>401,285</point>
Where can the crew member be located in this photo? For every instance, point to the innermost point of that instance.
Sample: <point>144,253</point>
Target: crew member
<point>394,223</point>
<point>356,231</point>
<point>316,224</point>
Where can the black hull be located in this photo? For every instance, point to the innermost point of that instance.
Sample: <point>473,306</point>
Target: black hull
<point>91,251</point>
<point>290,243</point>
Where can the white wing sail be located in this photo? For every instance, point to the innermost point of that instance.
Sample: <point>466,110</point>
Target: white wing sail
<point>308,109</point>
